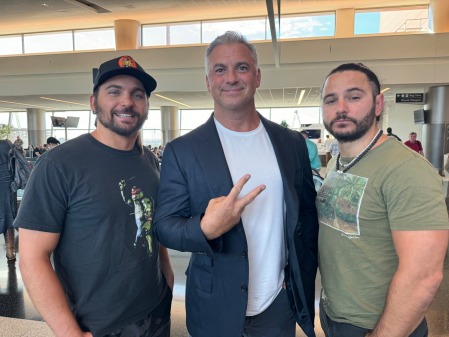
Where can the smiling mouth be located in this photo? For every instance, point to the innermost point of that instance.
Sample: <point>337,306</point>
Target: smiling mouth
<point>125,115</point>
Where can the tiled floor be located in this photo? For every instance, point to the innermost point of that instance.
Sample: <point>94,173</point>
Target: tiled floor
<point>20,318</point>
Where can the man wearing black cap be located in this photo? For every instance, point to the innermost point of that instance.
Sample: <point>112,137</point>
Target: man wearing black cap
<point>52,142</point>
<point>90,202</point>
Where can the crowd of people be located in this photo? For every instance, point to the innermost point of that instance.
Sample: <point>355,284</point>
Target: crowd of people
<point>36,151</point>
<point>237,192</point>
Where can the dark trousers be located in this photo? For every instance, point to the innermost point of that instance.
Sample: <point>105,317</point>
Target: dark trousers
<point>275,321</point>
<point>337,329</point>
<point>156,324</point>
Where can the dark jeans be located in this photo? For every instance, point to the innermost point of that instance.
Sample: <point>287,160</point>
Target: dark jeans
<point>337,329</point>
<point>156,324</point>
<point>275,321</point>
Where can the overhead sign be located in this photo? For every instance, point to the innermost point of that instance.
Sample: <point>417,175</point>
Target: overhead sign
<point>410,98</point>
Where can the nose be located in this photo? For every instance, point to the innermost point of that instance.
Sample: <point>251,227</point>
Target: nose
<point>127,100</point>
<point>231,76</point>
<point>341,106</point>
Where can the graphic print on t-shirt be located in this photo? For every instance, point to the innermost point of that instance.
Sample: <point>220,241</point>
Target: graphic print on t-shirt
<point>143,210</point>
<point>338,202</point>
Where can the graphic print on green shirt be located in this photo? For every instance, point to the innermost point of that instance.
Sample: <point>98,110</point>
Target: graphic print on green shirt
<point>342,197</point>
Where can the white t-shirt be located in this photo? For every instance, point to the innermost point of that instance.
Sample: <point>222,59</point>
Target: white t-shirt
<point>263,219</point>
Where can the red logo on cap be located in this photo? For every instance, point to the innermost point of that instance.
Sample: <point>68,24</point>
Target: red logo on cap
<point>126,62</point>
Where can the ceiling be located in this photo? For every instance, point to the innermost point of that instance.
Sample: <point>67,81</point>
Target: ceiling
<point>30,16</point>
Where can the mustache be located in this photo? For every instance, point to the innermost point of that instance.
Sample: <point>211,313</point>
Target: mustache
<point>343,116</point>
<point>129,111</point>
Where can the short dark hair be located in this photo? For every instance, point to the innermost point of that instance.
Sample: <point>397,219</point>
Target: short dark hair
<point>372,77</point>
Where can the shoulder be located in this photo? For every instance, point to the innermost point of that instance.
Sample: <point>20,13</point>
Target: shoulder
<point>403,160</point>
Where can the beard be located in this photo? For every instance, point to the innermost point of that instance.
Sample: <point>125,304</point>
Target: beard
<point>120,129</point>
<point>362,126</point>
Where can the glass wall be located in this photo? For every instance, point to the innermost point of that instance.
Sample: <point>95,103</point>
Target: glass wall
<point>90,39</point>
<point>48,42</point>
<point>391,21</point>
<point>306,26</point>
<point>10,45</point>
<point>255,29</point>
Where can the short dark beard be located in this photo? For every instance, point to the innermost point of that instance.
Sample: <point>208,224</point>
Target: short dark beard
<point>362,126</point>
<point>109,124</point>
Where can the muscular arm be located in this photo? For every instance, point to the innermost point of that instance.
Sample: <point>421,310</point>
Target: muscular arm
<point>42,283</point>
<point>415,283</point>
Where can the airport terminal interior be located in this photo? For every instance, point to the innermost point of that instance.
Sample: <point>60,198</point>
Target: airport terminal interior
<point>49,48</point>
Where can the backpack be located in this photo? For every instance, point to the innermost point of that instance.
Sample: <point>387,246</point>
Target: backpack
<point>20,167</point>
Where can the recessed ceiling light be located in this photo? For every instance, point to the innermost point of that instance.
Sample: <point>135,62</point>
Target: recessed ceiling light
<point>47,5</point>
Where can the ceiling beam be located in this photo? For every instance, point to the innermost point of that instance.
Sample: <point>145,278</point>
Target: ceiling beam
<point>271,20</point>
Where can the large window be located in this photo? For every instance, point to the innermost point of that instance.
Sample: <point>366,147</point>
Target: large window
<point>151,130</point>
<point>391,21</point>
<point>154,35</point>
<point>296,117</point>
<point>302,26</point>
<point>253,29</point>
<point>10,45</point>
<point>185,34</point>
<point>48,42</point>
<point>91,39</point>
<point>85,124</point>
<point>190,119</point>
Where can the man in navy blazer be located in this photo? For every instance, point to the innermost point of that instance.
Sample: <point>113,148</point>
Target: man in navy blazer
<point>238,193</point>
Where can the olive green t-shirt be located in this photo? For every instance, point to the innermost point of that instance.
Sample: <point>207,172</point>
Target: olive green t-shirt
<point>390,188</point>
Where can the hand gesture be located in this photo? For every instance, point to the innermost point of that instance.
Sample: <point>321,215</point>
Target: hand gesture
<point>223,213</point>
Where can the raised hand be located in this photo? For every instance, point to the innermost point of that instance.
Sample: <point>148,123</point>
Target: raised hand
<point>223,213</point>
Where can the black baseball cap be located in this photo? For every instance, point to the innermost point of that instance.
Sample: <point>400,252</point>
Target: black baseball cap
<point>123,65</point>
<point>52,140</point>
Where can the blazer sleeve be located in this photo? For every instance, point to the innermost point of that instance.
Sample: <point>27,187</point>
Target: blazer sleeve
<point>174,225</point>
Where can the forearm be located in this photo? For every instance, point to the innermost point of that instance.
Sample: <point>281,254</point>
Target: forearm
<point>407,303</point>
<point>166,267</point>
<point>48,297</point>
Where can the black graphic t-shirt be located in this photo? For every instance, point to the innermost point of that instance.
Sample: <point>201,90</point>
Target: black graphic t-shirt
<point>101,201</point>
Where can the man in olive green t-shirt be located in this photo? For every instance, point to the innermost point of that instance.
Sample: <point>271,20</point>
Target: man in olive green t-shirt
<point>383,220</point>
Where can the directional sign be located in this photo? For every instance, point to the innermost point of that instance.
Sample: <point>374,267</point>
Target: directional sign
<point>410,98</point>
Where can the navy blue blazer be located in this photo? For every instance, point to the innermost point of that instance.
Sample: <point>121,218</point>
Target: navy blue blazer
<point>194,170</point>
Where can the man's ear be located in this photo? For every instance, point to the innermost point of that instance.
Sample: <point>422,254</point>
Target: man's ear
<point>380,101</point>
<point>92,104</point>
<point>207,83</point>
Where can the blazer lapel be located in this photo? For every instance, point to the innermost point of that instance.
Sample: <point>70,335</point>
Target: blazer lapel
<point>212,159</point>
<point>287,166</point>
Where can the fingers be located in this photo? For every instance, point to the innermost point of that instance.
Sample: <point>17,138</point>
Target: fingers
<point>248,198</point>
<point>235,191</point>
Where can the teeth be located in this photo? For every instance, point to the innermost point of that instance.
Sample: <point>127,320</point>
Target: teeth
<point>124,115</point>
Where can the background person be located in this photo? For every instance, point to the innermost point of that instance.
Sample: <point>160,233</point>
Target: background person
<point>391,134</point>
<point>8,200</point>
<point>381,247</point>
<point>312,149</point>
<point>52,142</point>
<point>414,144</point>
<point>90,202</point>
<point>253,264</point>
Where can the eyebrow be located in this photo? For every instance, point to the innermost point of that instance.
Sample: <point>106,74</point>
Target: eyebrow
<point>238,64</point>
<point>117,86</point>
<point>346,91</point>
